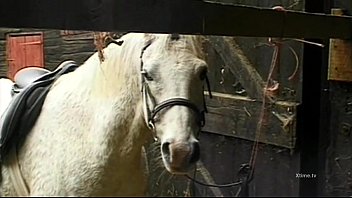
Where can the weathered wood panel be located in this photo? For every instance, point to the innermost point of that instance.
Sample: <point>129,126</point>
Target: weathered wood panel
<point>3,61</point>
<point>238,116</point>
<point>239,65</point>
<point>221,78</point>
<point>51,34</point>
<point>75,48</point>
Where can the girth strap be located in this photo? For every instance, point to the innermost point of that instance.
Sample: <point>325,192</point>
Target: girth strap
<point>16,175</point>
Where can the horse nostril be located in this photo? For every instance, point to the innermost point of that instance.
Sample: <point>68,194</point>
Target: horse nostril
<point>195,152</point>
<point>165,148</point>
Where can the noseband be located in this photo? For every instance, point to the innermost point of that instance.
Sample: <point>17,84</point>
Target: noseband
<point>150,113</point>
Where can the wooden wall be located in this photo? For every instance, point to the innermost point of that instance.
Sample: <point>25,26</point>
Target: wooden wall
<point>57,47</point>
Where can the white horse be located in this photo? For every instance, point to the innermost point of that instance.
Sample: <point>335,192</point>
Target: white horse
<point>88,138</point>
<point>5,93</point>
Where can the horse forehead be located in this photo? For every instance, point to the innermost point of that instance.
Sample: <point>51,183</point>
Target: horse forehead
<point>173,56</point>
<point>176,66</point>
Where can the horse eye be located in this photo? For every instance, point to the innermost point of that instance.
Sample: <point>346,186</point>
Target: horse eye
<point>147,76</point>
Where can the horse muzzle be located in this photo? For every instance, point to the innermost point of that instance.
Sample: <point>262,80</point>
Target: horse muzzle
<point>179,156</point>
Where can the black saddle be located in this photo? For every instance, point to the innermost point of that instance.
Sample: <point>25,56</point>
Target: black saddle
<point>29,92</point>
<point>26,76</point>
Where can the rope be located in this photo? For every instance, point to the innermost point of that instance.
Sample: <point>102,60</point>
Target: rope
<point>214,185</point>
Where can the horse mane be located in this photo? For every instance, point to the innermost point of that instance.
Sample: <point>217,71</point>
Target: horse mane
<point>122,63</point>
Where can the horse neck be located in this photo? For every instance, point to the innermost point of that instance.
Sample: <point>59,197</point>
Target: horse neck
<point>116,85</point>
<point>114,78</point>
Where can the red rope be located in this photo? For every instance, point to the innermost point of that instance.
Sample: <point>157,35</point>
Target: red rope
<point>267,94</point>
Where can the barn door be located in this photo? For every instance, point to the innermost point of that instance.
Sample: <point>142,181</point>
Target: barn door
<point>23,50</point>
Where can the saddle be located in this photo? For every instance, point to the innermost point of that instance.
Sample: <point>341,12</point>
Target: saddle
<point>29,92</point>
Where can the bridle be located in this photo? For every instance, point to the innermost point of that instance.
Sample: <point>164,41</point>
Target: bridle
<point>151,112</point>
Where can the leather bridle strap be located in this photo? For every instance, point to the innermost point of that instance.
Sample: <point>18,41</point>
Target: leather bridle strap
<point>142,65</point>
<point>177,101</point>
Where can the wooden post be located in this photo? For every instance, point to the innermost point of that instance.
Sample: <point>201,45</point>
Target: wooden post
<point>340,57</point>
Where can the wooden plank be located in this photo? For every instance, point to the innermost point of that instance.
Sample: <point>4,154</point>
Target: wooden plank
<point>53,42</point>
<point>78,41</point>
<point>77,35</point>
<point>79,58</point>
<point>235,59</point>
<point>2,45</point>
<point>54,50</point>
<point>340,60</point>
<point>182,16</point>
<point>34,50</point>
<point>51,34</point>
<point>78,48</point>
<point>238,116</point>
<point>16,54</point>
<point>5,31</point>
<point>52,64</point>
<point>266,22</point>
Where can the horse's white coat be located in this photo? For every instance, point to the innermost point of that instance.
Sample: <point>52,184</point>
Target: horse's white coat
<point>5,93</point>
<point>88,139</point>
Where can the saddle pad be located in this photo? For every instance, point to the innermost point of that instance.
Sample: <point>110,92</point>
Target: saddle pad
<point>25,107</point>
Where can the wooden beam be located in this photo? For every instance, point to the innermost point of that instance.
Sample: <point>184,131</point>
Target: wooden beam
<point>182,16</point>
<point>222,19</point>
<point>238,117</point>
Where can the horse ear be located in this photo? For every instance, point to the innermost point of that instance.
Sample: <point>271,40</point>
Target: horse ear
<point>117,42</point>
<point>148,38</point>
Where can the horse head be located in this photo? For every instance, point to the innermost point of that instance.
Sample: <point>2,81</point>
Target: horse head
<point>173,73</point>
